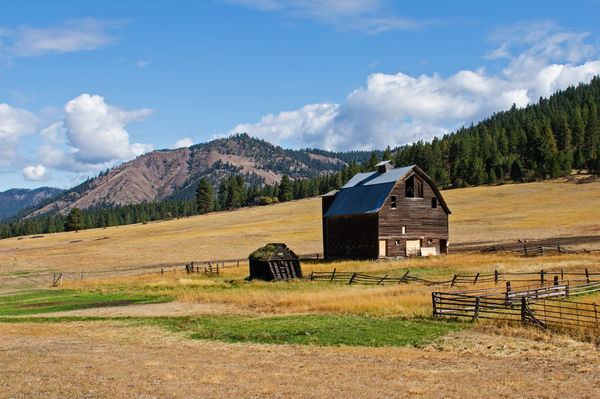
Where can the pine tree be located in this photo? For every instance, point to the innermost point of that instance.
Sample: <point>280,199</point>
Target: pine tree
<point>74,220</point>
<point>205,196</point>
<point>285,189</point>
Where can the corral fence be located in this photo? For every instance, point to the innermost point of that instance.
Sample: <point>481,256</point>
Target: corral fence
<point>542,306</point>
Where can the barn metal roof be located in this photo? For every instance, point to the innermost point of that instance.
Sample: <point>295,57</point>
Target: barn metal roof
<point>366,192</point>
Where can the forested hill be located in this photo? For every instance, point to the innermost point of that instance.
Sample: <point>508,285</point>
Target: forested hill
<point>544,140</point>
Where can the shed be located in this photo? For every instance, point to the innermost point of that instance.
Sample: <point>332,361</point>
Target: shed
<point>274,261</point>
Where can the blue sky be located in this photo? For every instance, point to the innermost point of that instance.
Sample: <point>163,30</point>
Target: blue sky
<point>87,85</point>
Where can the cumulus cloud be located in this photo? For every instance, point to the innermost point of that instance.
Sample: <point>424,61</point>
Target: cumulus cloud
<point>14,124</point>
<point>36,173</point>
<point>184,142</point>
<point>369,16</point>
<point>90,138</point>
<point>396,109</point>
<point>72,35</point>
<point>96,130</point>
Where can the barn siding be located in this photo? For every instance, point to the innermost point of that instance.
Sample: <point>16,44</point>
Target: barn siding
<point>351,236</point>
<point>421,220</point>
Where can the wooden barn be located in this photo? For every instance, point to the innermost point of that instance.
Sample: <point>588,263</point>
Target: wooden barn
<point>386,213</point>
<point>274,262</point>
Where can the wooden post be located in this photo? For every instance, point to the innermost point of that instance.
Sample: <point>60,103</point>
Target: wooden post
<point>558,247</point>
<point>477,303</point>
<point>525,249</point>
<point>562,273</point>
<point>587,275</point>
<point>162,271</point>
<point>453,279</point>
<point>542,276</point>
<point>238,263</point>
<point>383,278</point>
<point>507,292</point>
<point>403,277</point>
<point>311,275</point>
<point>210,267</point>
<point>218,268</point>
<point>317,256</point>
<point>333,274</point>
<point>555,280</point>
<point>596,313</point>
<point>495,276</point>
<point>476,278</point>
<point>81,275</point>
<point>352,278</point>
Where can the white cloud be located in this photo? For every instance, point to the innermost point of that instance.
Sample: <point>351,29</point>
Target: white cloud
<point>369,16</point>
<point>399,109</point>
<point>143,64</point>
<point>14,124</point>
<point>36,173</point>
<point>96,130</point>
<point>72,35</point>
<point>184,142</point>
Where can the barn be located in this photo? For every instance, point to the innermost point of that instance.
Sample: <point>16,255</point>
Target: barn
<point>274,261</point>
<point>386,213</point>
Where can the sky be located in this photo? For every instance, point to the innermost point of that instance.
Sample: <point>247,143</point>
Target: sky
<point>85,85</point>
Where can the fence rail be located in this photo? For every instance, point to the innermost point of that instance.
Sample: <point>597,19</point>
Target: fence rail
<point>361,278</point>
<point>542,306</point>
<point>536,250</point>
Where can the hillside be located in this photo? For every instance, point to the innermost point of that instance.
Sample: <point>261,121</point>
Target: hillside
<point>480,214</point>
<point>12,201</point>
<point>173,174</point>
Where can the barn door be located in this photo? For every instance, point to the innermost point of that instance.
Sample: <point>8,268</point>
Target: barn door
<point>382,248</point>
<point>413,247</point>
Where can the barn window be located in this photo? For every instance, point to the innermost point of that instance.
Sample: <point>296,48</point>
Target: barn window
<point>403,229</point>
<point>414,187</point>
<point>393,202</point>
<point>397,243</point>
<point>433,202</point>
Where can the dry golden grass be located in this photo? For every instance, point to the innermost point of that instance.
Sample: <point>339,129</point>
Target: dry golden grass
<point>301,297</point>
<point>508,212</point>
<point>103,359</point>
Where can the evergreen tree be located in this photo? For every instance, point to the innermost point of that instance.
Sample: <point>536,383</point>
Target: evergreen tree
<point>285,189</point>
<point>74,220</point>
<point>205,196</point>
<point>516,171</point>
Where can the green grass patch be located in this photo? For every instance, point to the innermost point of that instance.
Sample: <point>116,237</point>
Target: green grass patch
<point>322,330</point>
<point>45,301</point>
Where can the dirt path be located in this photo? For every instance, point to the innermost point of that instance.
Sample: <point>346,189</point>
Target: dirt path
<point>105,360</point>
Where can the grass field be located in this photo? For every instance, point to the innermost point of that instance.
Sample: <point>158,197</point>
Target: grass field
<point>179,335</point>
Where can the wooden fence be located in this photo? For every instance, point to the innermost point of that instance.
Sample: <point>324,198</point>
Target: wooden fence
<point>362,278</point>
<point>540,306</point>
<point>536,250</point>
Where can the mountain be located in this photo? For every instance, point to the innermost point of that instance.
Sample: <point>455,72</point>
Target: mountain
<point>174,174</point>
<point>16,199</point>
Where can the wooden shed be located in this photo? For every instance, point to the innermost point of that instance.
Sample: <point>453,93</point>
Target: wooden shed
<point>274,261</point>
<point>389,212</point>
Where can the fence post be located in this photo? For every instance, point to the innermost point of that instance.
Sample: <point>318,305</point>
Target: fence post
<point>453,279</point>
<point>434,303</point>
<point>587,275</point>
<point>477,303</point>
<point>542,276</point>
<point>525,249</point>
<point>523,311</point>
<point>555,280</point>
<point>210,267</point>
<point>81,275</point>
<point>476,278</point>
<point>352,278</point>
<point>218,268</point>
<point>495,276</point>
<point>596,312</point>
<point>383,278</point>
<point>162,271</point>
<point>562,273</point>
<point>333,274</point>
<point>403,277</point>
<point>507,291</point>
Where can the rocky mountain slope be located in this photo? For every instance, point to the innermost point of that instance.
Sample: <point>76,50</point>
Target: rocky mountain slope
<point>173,174</point>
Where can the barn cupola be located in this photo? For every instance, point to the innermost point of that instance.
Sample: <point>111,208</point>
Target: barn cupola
<point>384,166</point>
